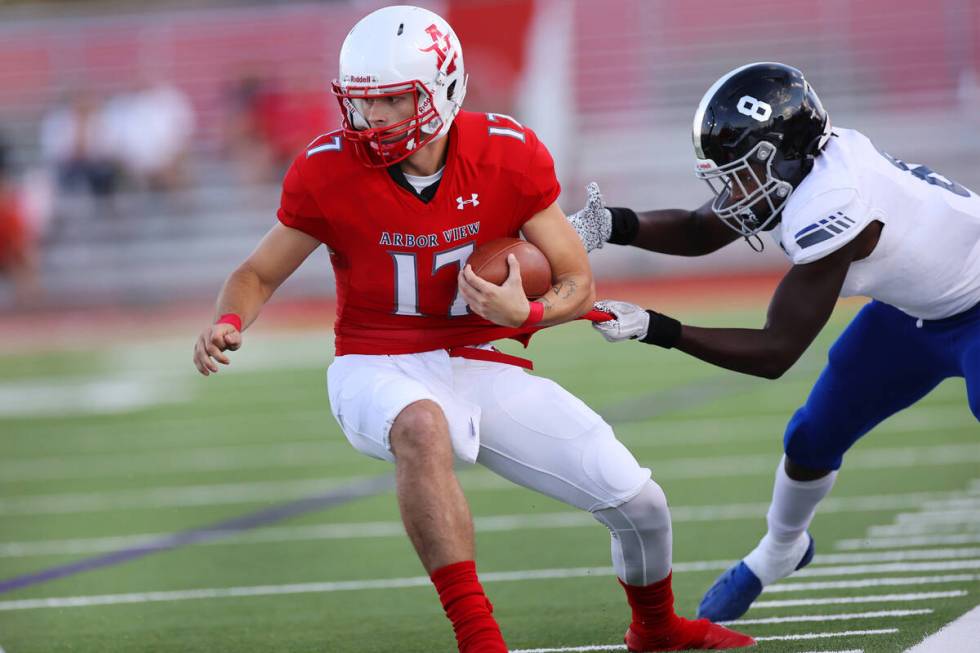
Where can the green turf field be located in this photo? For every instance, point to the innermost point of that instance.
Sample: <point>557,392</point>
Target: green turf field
<point>104,448</point>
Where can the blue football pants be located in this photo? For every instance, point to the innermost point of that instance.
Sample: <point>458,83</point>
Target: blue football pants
<point>883,362</point>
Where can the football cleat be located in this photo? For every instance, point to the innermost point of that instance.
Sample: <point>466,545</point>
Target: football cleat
<point>688,635</point>
<point>735,590</point>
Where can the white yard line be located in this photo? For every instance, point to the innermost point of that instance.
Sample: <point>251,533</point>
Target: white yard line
<point>897,530</point>
<point>494,523</point>
<point>168,497</point>
<point>575,649</point>
<point>898,542</point>
<point>295,588</point>
<point>959,635</point>
<point>799,618</point>
<point>850,650</point>
<point>896,556</point>
<point>958,517</point>
<point>799,636</point>
<point>110,465</point>
<point>894,581</point>
<point>477,480</point>
<point>887,568</point>
<point>871,598</point>
<point>417,581</point>
<point>845,633</point>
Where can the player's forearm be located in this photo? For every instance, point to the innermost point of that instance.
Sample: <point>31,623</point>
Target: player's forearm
<point>670,231</point>
<point>572,295</point>
<point>749,351</point>
<point>244,293</point>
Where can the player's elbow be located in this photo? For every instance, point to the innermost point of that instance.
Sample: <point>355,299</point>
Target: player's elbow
<point>591,295</point>
<point>773,371</point>
<point>778,362</point>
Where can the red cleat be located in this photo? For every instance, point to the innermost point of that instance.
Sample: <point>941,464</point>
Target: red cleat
<point>688,635</point>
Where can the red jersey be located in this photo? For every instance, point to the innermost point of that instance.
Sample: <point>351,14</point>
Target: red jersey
<point>395,256</point>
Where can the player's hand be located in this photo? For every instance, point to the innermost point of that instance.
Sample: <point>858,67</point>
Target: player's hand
<point>631,321</point>
<point>594,222</point>
<point>210,345</point>
<point>505,304</point>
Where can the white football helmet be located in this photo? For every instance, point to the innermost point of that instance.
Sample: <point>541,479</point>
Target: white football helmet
<point>395,51</point>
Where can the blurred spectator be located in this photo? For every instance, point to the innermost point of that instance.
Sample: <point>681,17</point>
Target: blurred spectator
<point>274,119</point>
<point>151,131</point>
<point>247,145</point>
<point>77,142</point>
<point>18,245</point>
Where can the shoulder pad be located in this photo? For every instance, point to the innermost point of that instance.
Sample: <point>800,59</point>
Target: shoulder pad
<point>822,223</point>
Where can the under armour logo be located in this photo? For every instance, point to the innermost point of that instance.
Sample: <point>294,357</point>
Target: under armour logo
<point>460,202</point>
<point>440,49</point>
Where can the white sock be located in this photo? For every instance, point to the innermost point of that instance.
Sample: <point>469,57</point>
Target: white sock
<point>790,513</point>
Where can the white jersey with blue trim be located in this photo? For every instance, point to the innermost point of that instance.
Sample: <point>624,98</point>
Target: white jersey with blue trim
<point>927,261</point>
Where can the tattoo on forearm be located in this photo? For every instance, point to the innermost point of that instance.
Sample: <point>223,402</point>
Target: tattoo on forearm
<point>569,288</point>
<point>562,291</point>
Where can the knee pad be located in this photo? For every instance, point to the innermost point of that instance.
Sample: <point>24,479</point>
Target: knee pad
<point>641,536</point>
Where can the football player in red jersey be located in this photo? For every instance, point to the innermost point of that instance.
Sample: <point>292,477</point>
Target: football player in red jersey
<point>401,196</point>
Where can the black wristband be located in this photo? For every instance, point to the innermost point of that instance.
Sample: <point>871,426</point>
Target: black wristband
<point>625,225</point>
<point>663,331</point>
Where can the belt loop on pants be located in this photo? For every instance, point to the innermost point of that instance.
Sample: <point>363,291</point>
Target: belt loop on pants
<point>491,355</point>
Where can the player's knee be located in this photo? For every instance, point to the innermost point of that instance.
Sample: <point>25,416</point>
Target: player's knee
<point>649,507</point>
<point>420,431</point>
<point>646,512</point>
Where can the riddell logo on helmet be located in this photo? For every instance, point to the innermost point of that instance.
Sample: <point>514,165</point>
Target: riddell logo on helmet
<point>440,48</point>
<point>360,79</point>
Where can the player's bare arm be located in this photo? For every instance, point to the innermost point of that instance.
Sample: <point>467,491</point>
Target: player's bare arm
<point>571,295</point>
<point>669,231</point>
<point>678,232</point>
<point>799,309</point>
<point>247,289</point>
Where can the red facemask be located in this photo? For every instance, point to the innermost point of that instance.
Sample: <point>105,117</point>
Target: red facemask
<point>380,147</point>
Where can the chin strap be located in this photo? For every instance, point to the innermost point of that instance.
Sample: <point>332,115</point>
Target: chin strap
<point>761,245</point>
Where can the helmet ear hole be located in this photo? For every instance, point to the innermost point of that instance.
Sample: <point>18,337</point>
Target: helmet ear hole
<point>451,90</point>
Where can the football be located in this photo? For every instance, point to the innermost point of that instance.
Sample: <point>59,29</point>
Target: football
<point>489,261</point>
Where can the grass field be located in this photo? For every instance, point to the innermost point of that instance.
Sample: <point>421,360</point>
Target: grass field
<point>108,451</point>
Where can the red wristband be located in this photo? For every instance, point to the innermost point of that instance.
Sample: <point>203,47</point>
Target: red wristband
<point>535,315</point>
<point>232,319</point>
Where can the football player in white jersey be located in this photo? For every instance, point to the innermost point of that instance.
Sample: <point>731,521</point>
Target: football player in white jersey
<point>854,221</point>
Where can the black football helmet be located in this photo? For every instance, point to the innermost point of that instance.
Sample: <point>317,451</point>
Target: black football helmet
<point>756,133</point>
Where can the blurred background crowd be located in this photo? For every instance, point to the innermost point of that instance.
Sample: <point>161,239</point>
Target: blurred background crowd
<point>142,144</point>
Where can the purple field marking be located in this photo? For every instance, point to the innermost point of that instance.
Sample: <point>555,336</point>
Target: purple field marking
<point>246,522</point>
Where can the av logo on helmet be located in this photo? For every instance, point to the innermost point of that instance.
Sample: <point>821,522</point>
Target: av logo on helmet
<point>460,202</point>
<point>440,48</point>
<point>757,109</point>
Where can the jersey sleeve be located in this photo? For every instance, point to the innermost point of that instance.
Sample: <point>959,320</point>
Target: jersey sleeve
<point>539,185</point>
<point>823,224</point>
<point>297,207</point>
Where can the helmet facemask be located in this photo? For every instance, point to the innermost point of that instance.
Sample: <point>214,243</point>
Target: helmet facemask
<point>383,146</point>
<point>759,195</point>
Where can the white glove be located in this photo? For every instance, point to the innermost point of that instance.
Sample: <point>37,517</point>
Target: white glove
<point>593,223</point>
<point>631,323</point>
